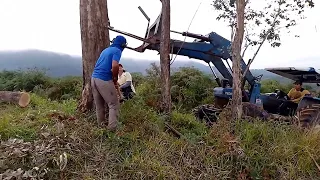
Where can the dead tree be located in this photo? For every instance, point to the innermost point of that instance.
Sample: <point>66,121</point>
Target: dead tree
<point>165,57</point>
<point>236,57</point>
<point>94,23</point>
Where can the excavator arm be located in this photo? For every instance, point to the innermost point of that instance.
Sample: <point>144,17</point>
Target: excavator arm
<point>214,48</point>
<point>210,48</point>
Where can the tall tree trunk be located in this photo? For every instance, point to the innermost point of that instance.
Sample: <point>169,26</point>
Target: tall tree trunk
<point>236,57</point>
<point>165,57</point>
<point>94,23</point>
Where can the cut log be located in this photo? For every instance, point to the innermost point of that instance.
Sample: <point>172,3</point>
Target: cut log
<point>16,97</point>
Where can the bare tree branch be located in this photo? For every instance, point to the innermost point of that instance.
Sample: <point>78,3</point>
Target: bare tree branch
<point>263,40</point>
<point>247,44</point>
<point>232,33</point>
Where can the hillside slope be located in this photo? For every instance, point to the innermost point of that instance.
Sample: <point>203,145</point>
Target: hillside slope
<point>50,139</point>
<point>58,65</point>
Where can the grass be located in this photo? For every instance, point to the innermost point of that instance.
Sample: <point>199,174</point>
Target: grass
<point>284,151</point>
<point>144,149</point>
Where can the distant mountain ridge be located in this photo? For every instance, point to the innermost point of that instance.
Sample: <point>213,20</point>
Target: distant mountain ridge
<point>59,65</point>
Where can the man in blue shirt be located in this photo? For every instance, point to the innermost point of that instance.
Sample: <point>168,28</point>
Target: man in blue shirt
<point>104,82</point>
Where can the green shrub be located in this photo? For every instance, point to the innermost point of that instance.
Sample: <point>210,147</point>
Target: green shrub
<point>137,79</point>
<point>268,86</point>
<point>143,147</point>
<point>189,88</point>
<point>34,80</point>
<point>65,88</point>
<point>149,90</point>
<point>23,80</point>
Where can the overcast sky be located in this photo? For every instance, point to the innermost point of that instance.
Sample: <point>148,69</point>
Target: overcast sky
<point>54,25</point>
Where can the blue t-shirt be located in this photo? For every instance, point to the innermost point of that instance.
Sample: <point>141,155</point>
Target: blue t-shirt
<point>103,67</point>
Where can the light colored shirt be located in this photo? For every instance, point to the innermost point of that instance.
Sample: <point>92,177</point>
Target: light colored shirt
<point>126,76</point>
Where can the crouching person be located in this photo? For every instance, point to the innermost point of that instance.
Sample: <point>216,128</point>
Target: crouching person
<point>104,83</point>
<point>125,83</point>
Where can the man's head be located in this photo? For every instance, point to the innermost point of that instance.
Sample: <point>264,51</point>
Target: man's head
<point>298,85</point>
<point>119,42</point>
<point>121,69</point>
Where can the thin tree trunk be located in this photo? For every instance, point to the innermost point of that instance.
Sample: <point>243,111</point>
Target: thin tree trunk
<point>94,23</point>
<point>165,57</point>
<point>236,57</point>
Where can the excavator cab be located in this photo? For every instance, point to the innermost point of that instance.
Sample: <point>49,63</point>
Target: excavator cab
<point>308,107</point>
<point>225,83</point>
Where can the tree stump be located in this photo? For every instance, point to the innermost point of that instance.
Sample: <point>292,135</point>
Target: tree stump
<point>20,98</point>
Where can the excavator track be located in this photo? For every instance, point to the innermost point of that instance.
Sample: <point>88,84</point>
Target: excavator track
<point>210,113</point>
<point>207,112</point>
<point>309,116</point>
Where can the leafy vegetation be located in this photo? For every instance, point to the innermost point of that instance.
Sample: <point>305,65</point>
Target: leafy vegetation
<point>60,65</point>
<point>36,81</point>
<point>50,140</point>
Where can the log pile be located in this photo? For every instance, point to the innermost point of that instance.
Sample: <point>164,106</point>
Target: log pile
<point>20,98</point>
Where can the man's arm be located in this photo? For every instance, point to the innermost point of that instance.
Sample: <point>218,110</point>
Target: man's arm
<point>115,66</point>
<point>290,93</point>
<point>303,93</point>
<point>115,71</point>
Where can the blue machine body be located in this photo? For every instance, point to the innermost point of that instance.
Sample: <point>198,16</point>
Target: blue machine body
<point>215,49</point>
<point>211,48</point>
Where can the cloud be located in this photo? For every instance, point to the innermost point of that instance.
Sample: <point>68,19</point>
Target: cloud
<point>54,26</point>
